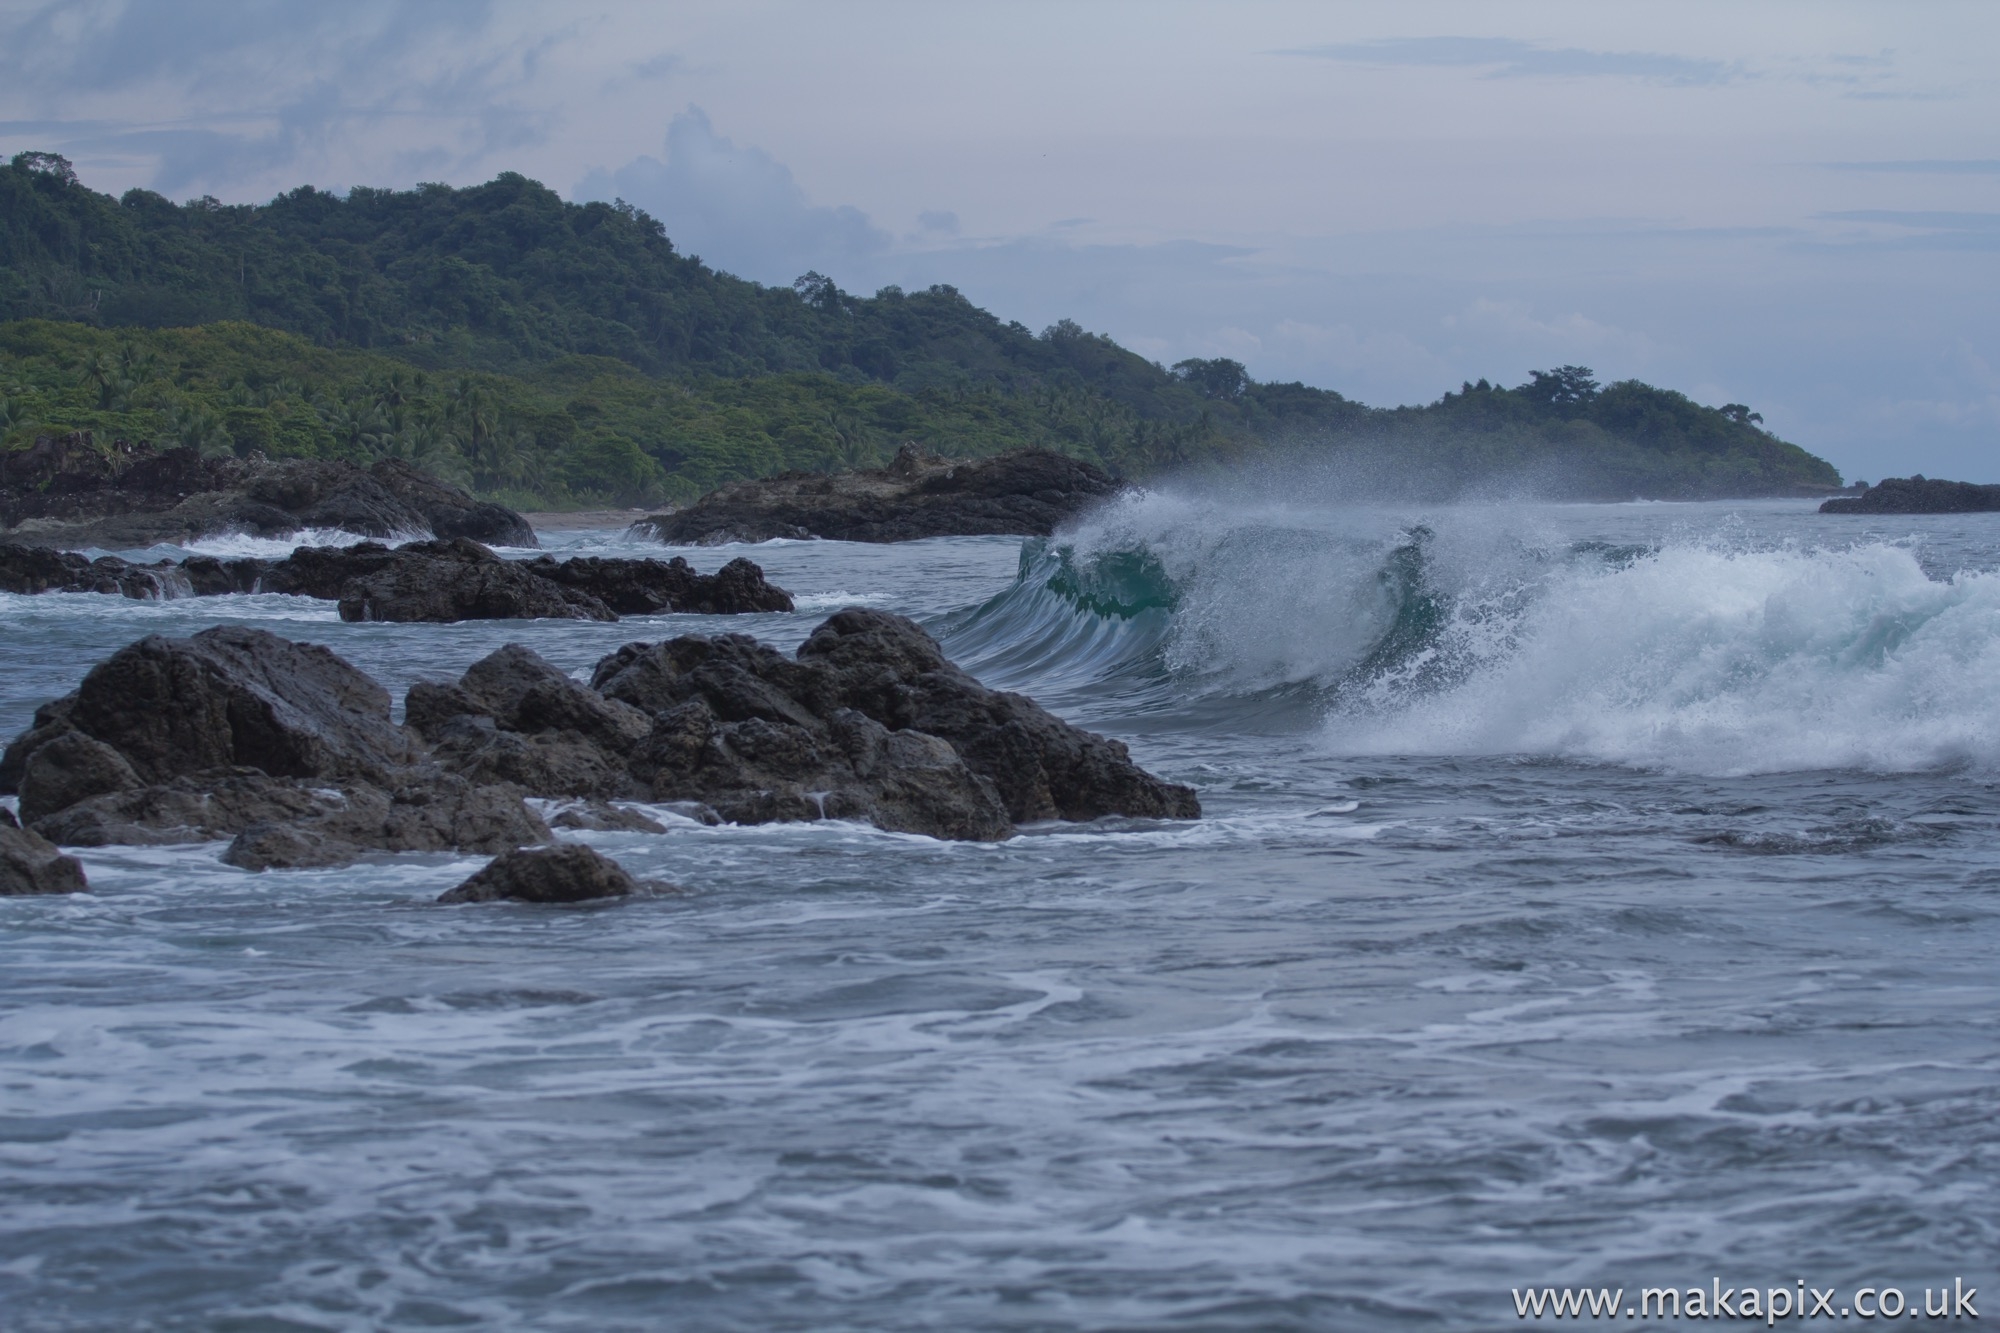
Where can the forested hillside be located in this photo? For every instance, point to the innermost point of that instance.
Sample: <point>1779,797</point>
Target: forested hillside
<point>550,352</point>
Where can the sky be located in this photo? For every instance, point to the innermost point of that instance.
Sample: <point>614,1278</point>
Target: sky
<point>1790,205</point>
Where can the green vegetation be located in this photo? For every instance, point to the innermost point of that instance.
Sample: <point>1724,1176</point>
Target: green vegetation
<point>544,352</point>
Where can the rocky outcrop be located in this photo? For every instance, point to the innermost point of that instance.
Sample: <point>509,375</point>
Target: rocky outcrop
<point>237,733</point>
<point>68,492</point>
<point>431,813</point>
<point>37,569</point>
<point>226,697</point>
<point>428,581</point>
<point>1918,495</point>
<point>291,752</point>
<point>568,874</point>
<point>31,864</point>
<point>1026,493</point>
<point>648,587</point>
<point>434,582</point>
<point>869,721</point>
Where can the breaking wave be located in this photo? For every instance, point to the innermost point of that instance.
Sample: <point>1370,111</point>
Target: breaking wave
<point>1470,631</point>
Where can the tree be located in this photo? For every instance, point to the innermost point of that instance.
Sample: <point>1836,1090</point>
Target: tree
<point>1565,386</point>
<point>1217,378</point>
<point>53,165</point>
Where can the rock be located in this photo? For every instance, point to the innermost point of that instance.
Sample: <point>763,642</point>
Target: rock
<point>190,807</point>
<point>571,873</point>
<point>30,864</point>
<point>71,767</point>
<point>514,717</point>
<point>648,587</point>
<point>226,697</point>
<point>284,747</point>
<point>68,492</point>
<point>1918,495</point>
<point>1027,492</point>
<point>449,511</point>
<point>887,667</point>
<point>439,814</point>
<point>869,721</point>
<point>431,581</point>
<point>36,569</point>
<point>604,817</point>
<point>444,581</point>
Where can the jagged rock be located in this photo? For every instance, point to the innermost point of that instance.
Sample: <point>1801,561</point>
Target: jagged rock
<point>37,569</point>
<point>738,716</point>
<point>648,587</point>
<point>571,873</point>
<point>190,807</point>
<point>71,767</point>
<point>513,717</point>
<point>207,576</point>
<point>1027,492</point>
<point>439,814</point>
<point>67,492</point>
<point>226,697</point>
<point>431,581</point>
<point>1918,495</point>
<point>435,582</point>
<point>30,864</point>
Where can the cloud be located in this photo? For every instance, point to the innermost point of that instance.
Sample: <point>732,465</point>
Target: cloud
<point>1934,166</point>
<point>217,95</point>
<point>738,208</point>
<point>1509,58</point>
<point>1915,229</point>
<point>939,220</point>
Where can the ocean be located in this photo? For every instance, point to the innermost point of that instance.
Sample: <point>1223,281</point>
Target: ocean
<point>1585,896</point>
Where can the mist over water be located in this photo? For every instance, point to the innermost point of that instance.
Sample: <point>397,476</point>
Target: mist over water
<point>1584,894</point>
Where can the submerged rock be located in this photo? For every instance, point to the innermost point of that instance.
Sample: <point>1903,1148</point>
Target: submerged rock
<point>1918,495</point>
<point>31,864</point>
<point>68,492</point>
<point>1026,493</point>
<point>571,873</point>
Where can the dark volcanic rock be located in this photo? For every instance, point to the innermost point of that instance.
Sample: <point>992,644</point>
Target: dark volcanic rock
<point>37,569</point>
<point>226,697</point>
<point>439,814</point>
<point>445,581</point>
<point>430,581</point>
<point>31,864</point>
<point>869,721</point>
<point>236,733</point>
<point>1027,493</point>
<point>67,492</point>
<point>571,873</point>
<point>648,587</point>
<point>1918,495</point>
<point>604,817</point>
<point>513,717</point>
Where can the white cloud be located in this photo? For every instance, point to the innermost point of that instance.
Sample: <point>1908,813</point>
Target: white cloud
<point>737,207</point>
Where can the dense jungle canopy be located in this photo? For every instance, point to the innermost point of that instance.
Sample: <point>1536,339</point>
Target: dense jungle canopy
<point>553,353</point>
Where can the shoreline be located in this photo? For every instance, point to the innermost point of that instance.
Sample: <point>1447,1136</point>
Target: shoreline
<point>585,520</point>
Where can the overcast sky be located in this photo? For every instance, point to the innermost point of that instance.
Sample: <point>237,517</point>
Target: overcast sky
<point>1790,205</point>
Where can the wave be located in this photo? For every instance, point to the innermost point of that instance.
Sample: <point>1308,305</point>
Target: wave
<point>1489,630</point>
